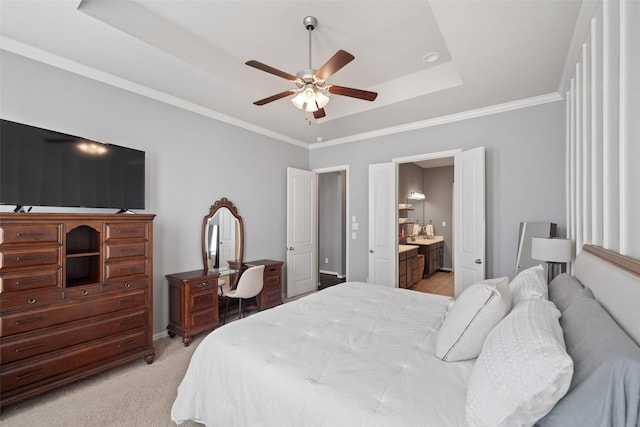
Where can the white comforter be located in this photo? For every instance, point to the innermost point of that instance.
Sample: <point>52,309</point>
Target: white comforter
<point>355,354</point>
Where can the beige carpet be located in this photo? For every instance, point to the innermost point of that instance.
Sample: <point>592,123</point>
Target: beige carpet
<point>135,394</point>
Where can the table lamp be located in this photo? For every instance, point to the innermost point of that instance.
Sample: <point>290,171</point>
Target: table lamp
<point>555,252</point>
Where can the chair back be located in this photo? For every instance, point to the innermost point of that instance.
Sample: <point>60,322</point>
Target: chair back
<point>250,283</point>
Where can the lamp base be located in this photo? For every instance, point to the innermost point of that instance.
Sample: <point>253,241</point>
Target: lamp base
<point>555,268</point>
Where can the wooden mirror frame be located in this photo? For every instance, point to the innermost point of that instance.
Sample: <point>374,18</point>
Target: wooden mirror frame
<point>219,204</point>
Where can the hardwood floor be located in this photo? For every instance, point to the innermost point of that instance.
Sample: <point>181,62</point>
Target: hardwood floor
<point>440,282</point>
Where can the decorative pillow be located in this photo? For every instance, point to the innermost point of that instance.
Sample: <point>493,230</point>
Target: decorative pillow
<point>565,289</point>
<point>523,369</point>
<point>529,283</point>
<point>475,312</point>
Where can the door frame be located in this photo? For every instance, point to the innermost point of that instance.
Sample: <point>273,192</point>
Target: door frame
<point>347,228</point>
<point>433,156</point>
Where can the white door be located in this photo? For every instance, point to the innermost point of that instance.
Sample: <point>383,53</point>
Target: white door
<point>382,224</point>
<point>302,226</point>
<point>469,218</point>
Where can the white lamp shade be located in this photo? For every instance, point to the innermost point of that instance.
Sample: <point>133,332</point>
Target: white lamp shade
<point>551,250</point>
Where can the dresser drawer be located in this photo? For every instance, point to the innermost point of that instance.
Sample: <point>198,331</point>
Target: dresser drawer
<point>114,252</point>
<point>30,300</point>
<point>123,269</point>
<point>28,345</point>
<point>123,285</point>
<point>29,257</point>
<point>19,322</point>
<point>82,291</point>
<point>126,231</point>
<point>63,362</point>
<point>22,233</point>
<point>22,281</point>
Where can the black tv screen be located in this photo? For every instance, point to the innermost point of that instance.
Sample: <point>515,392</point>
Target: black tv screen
<point>40,167</point>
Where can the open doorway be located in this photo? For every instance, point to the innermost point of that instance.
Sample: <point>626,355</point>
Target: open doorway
<point>425,224</point>
<point>332,226</point>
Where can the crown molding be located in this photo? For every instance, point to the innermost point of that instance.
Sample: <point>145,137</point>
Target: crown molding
<point>22,49</point>
<point>485,111</point>
<point>39,55</point>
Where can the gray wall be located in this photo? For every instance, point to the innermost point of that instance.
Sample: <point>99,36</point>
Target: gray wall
<point>525,165</point>
<point>192,161</point>
<point>331,223</point>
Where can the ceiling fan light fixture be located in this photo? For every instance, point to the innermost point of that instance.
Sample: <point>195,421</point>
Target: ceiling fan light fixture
<point>321,99</point>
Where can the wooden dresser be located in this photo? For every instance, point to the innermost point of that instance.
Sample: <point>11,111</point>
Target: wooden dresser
<point>75,297</point>
<point>193,298</point>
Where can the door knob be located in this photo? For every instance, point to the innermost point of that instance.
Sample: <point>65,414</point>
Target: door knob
<point>290,248</point>
<point>478,261</point>
<point>370,251</point>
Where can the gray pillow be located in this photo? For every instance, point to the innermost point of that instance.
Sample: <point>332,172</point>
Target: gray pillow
<point>605,388</point>
<point>593,338</point>
<point>565,289</point>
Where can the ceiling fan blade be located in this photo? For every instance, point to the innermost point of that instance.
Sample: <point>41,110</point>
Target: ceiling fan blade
<point>353,93</point>
<point>336,62</point>
<point>319,114</point>
<point>275,97</point>
<point>271,70</point>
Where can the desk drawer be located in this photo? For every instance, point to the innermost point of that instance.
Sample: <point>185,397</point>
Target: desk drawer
<point>201,300</point>
<point>203,320</point>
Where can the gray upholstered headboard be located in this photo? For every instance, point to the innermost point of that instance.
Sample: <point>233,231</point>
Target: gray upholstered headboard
<point>615,282</point>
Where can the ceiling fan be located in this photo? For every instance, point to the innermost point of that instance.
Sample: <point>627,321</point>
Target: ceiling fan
<point>312,93</point>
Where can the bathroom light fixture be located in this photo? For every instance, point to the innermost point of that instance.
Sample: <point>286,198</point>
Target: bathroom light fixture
<point>414,195</point>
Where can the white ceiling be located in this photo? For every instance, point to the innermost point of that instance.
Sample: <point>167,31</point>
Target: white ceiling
<point>191,53</point>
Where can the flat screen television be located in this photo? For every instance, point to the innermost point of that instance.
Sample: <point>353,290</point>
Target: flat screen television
<point>40,167</point>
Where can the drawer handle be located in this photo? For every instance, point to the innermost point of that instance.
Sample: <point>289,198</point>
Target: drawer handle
<point>127,285</point>
<point>126,231</point>
<point>28,257</point>
<point>272,269</point>
<point>32,300</point>
<point>32,347</point>
<point>85,292</point>
<point>126,301</point>
<point>202,285</point>
<point>33,233</point>
<point>127,343</point>
<point>30,374</point>
<point>27,281</point>
<point>32,320</point>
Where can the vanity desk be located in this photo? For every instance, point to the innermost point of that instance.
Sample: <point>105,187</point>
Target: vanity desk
<point>194,295</point>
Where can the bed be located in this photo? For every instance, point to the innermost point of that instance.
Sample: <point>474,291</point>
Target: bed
<point>357,354</point>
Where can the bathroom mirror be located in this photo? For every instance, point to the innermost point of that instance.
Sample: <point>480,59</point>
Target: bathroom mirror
<point>222,238</point>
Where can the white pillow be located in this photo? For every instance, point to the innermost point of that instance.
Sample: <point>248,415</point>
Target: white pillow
<point>529,283</point>
<point>523,368</point>
<point>475,312</point>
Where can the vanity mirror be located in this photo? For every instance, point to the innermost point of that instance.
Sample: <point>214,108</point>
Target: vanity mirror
<point>222,238</point>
